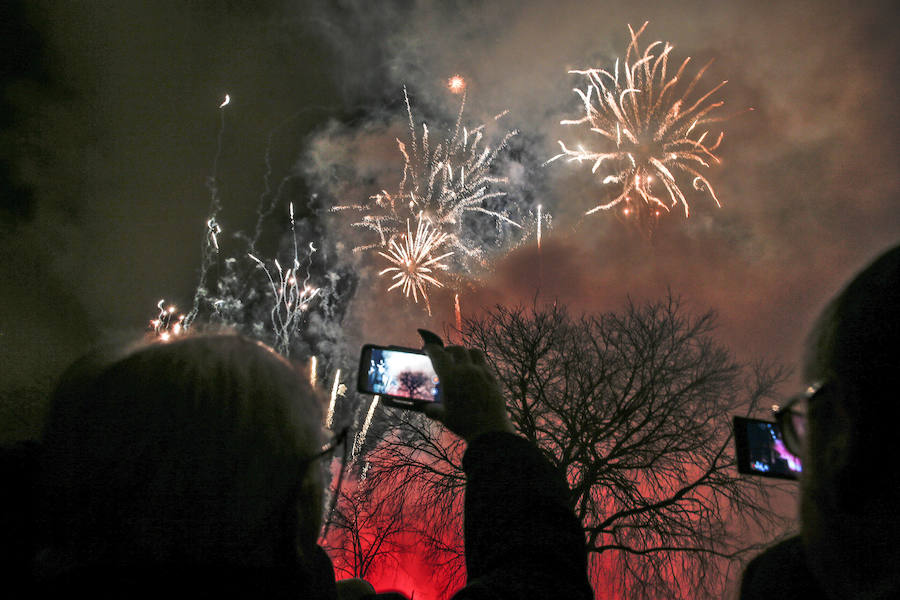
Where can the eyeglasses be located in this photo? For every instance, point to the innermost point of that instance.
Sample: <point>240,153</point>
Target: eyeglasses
<point>327,451</point>
<point>791,418</point>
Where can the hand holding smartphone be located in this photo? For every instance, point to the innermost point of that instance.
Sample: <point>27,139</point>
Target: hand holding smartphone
<point>403,377</point>
<point>467,398</point>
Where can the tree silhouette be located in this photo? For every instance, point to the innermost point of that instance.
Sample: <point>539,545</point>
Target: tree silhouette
<point>635,408</point>
<point>366,530</point>
<point>411,383</point>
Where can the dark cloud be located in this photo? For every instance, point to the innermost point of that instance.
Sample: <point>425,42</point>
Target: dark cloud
<point>112,148</point>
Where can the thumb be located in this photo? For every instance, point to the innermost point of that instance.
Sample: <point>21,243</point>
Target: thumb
<point>435,411</point>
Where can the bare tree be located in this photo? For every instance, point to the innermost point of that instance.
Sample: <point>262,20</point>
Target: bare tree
<point>422,462</point>
<point>411,383</point>
<point>635,408</point>
<point>367,528</point>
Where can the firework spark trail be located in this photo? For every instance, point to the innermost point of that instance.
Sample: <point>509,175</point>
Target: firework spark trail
<point>210,250</point>
<point>166,325</point>
<point>458,313</point>
<point>313,365</point>
<point>651,133</point>
<point>414,262</point>
<point>336,388</point>
<point>361,437</point>
<point>443,183</point>
<point>291,295</point>
<point>539,226</point>
<point>264,209</point>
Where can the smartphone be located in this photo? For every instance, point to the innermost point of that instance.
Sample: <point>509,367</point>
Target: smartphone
<point>761,451</point>
<point>403,377</point>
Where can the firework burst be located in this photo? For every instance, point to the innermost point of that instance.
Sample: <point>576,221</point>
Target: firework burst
<point>456,84</point>
<point>652,136</point>
<point>414,261</point>
<point>444,183</point>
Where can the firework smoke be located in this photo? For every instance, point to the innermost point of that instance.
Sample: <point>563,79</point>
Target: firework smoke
<point>441,184</point>
<point>651,135</point>
<point>296,302</point>
<point>292,296</point>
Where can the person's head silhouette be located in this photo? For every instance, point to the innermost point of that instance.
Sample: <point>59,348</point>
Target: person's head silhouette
<point>197,452</point>
<point>845,428</point>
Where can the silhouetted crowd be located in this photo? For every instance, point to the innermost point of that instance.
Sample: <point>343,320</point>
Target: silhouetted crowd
<point>193,469</point>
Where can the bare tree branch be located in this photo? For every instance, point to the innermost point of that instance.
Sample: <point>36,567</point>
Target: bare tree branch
<point>634,407</point>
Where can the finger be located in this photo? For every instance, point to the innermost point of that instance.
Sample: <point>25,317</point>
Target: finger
<point>429,337</point>
<point>477,357</point>
<point>440,359</point>
<point>460,355</point>
<point>435,411</point>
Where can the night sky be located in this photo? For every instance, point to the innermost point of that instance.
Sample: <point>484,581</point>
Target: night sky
<point>110,121</point>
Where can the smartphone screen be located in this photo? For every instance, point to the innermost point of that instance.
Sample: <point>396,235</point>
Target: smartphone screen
<point>398,373</point>
<point>761,450</point>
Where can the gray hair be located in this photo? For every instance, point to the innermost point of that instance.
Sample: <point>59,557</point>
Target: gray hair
<point>194,450</point>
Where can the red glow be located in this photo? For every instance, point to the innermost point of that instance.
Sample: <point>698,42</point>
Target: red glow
<point>406,570</point>
<point>412,576</point>
<point>409,568</point>
<point>406,567</point>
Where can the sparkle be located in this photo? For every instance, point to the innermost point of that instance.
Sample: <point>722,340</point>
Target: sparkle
<point>414,262</point>
<point>456,84</point>
<point>447,182</point>
<point>650,135</point>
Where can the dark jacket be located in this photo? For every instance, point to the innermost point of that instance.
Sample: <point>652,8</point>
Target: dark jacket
<point>522,539</point>
<point>780,572</point>
<point>858,561</point>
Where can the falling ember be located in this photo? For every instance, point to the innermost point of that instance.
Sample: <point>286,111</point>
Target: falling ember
<point>213,230</point>
<point>291,292</point>
<point>413,261</point>
<point>226,101</point>
<point>361,437</point>
<point>651,136</point>
<point>456,84</point>
<point>312,371</point>
<point>539,226</point>
<point>458,313</point>
<point>335,388</point>
<point>166,325</point>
